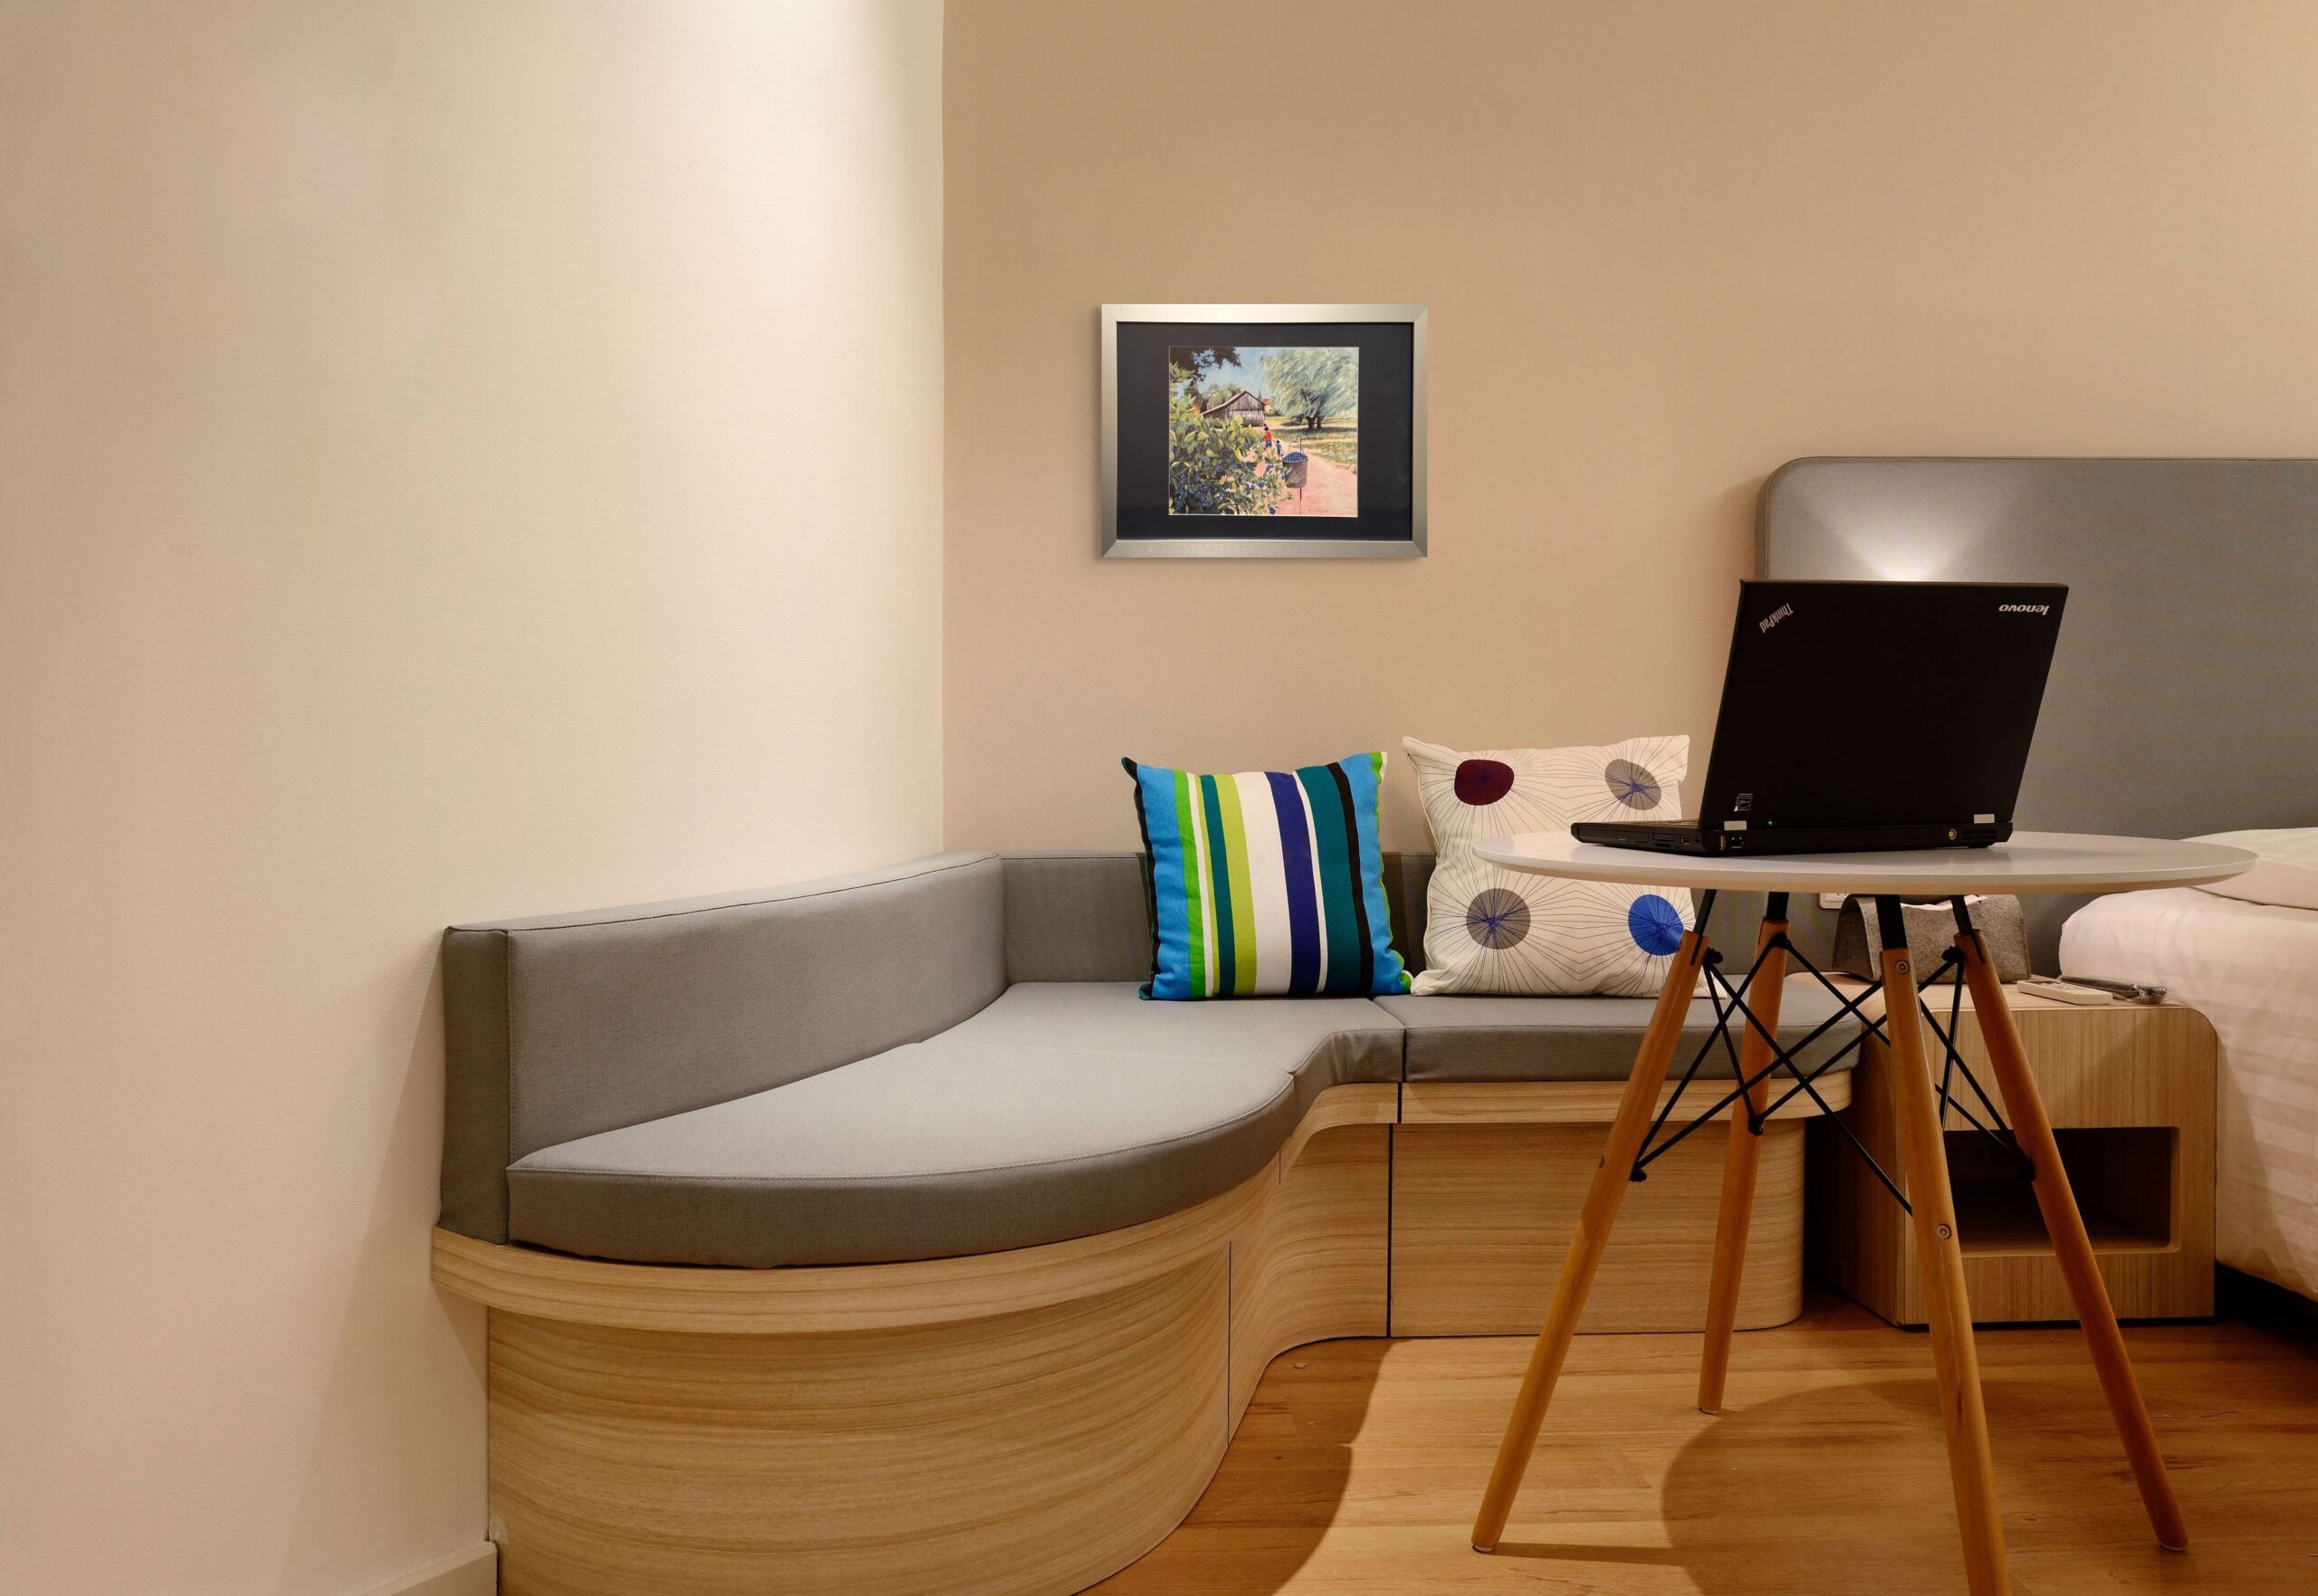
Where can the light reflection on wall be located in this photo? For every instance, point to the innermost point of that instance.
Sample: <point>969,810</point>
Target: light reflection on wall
<point>1935,527</point>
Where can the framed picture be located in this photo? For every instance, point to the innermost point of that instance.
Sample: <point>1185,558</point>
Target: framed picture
<point>1263,432</point>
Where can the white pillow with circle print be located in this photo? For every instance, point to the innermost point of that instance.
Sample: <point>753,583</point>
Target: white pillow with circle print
<point>1505,931</point>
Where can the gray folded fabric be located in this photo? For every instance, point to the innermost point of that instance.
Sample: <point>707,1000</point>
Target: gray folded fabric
<point>1931,932</point>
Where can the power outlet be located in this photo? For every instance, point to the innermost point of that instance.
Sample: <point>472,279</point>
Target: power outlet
<point>1832,900</point>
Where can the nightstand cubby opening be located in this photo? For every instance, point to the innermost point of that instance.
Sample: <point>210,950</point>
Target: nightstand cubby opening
<point>2123,1176</point>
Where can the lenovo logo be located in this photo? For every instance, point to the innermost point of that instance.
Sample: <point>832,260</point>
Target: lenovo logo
<point>1777,616</point>
<point>2024,609</point>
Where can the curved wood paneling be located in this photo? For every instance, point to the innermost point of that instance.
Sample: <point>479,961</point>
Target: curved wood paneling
<point>1024,1452</point>
<point>1033,1452</point>
<point>1311,1265</point>
<point>1365,1102</point>
<point>1027,1421</point>
<point>851,1297</point>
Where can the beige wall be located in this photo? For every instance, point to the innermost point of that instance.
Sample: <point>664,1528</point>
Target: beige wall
<point>457,457</point>
<point>1665,248</point>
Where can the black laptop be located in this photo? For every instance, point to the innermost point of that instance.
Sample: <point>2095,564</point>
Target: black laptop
<point>1859,716</point>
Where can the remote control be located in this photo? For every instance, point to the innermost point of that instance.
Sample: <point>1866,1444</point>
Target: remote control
<point>2065,991</point>
<point>2130,991</point>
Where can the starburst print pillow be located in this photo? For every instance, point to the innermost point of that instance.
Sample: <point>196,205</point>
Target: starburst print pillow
<point>1507,932</point>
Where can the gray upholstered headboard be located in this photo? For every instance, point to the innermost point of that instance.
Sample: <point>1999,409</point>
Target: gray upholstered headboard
<point>2184,696</point>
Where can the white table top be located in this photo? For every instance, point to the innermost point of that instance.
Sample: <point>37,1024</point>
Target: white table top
<point>2032,862</point>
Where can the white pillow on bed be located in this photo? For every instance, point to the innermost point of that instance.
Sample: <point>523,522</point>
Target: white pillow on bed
<point>2285,873</point>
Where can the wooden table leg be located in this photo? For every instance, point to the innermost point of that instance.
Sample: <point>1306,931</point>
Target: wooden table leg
<point>1637,1109</point>
<point>1744,1155</point>
<point>1941,1259</point>
<point>2072,1248</point>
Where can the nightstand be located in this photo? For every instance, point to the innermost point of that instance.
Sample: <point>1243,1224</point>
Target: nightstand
<point>2130,1089</point>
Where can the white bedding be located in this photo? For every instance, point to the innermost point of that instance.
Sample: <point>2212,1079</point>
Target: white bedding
<point>2252,969</point>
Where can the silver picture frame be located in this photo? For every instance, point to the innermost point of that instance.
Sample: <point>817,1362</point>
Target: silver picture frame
<point>1114,547</point>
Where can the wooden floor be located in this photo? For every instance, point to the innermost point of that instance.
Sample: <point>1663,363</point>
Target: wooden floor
<point>1360,1462</point>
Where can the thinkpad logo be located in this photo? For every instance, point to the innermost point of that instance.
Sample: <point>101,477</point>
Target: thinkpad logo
<point>2024,609</point>
<point>1777,616</point>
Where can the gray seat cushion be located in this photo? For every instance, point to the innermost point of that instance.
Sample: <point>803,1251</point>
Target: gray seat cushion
<point>940,1148</point>
<point>1584,1038</point>
<point>1323,1042</point>
<point>568,1024</point>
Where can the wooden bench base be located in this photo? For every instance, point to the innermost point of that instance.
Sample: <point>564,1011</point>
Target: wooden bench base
<point>1035,1420</point>
<point>1482,1215</point>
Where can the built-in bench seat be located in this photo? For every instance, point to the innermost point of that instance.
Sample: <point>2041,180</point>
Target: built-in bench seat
<point>1490,1038</point>
<point>930,1151</point>
<point>693,1152</point>
<point>1321,1042</point>
<point>1063,1109</point>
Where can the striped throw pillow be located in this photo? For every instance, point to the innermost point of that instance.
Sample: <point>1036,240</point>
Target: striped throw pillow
<point>1267,882</point>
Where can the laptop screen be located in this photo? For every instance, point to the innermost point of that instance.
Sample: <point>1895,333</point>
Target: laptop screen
<point>1878,703</point>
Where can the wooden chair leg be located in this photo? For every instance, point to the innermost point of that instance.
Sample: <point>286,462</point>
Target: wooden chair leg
<point>1637,1109</point>
<point>2025,1107</point>
<point>1941,1260</point>
<point>1739,1166</point>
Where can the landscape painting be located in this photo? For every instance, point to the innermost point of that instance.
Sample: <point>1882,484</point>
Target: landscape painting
<point>1263,431</point>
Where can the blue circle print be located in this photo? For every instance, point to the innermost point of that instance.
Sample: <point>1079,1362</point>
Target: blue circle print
<point>1656,924</point>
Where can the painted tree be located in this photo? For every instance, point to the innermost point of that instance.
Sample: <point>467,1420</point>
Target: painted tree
<point>1310,384</point>
<point>1192,369</point>
<point>1203,358</point>
<point>1218,467</point>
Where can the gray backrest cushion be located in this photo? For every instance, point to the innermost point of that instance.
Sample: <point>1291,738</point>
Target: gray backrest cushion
<point>1087,916</point>
<point>566,1025</point>
<point>1407,878</point>
<point>1076,917</point>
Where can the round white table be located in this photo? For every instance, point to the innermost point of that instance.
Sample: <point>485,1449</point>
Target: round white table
<point>2031,862</point>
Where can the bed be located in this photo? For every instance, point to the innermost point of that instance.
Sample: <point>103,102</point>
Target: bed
<point>2251,969</point>
<point>2183,701</point>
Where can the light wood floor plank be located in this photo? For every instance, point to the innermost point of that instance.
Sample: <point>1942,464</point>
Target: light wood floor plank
<point>1357,1470</point>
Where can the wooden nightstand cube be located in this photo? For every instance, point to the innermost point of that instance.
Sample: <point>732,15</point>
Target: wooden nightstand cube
<point>2131,1092</point>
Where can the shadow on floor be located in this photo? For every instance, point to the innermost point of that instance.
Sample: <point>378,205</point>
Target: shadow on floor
<point>1360,1463</point>
<point>1844,1488</point>
<point>1282,1482</point>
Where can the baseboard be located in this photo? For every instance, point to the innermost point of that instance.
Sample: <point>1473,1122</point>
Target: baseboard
<point>471,1572</point>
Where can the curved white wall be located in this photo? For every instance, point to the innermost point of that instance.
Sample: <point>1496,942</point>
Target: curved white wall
<point>457,457</point>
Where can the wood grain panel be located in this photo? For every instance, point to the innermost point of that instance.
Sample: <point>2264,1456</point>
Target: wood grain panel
<point>1482,1213</point>
<point>1311,1263</point>
<point>857,1296</point>
<point>2118,1065</point>
<point>1023,1421</point>
<point>1034,1452</point>
<point>983,1450</point>
<point>1581,1102</point>
<point>1361,1102</point>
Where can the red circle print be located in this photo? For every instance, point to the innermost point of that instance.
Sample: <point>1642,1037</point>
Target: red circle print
<point>1481,782</point>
